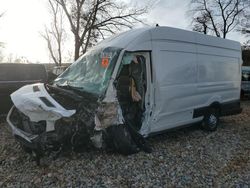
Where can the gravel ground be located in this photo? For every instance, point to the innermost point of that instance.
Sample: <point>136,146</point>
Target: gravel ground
<point>185,158</point>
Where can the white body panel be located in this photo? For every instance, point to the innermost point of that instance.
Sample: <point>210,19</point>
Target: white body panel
<point>190,71</point>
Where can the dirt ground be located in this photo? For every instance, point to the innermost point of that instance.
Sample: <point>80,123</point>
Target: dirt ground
<point>187,157</point>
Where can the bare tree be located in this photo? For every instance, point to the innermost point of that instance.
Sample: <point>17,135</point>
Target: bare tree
<point>245,22</point>
<point>93,19</point>
<point>55,34</point>
<point>222,15</point>
<point>201,23</point>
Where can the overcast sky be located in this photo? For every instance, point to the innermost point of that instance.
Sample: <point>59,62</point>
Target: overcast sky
<point>23,20</point>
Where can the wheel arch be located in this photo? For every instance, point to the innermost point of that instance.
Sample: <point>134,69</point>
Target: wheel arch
<point>216,105</point>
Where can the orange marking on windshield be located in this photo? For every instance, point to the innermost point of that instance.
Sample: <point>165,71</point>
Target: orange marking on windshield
<point>105,62</point>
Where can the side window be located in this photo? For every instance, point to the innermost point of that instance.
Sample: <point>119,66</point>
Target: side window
<point>37,73</point>
<point>22,72</point>
<point>10,72</point>
<point>3,73</point>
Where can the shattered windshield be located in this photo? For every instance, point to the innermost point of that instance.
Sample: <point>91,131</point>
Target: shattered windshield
<point>91,72</point>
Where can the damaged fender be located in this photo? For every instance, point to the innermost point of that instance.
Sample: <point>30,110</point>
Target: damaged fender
<point>118,132</point>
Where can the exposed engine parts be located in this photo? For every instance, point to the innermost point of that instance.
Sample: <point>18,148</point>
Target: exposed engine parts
<point>63,118</point>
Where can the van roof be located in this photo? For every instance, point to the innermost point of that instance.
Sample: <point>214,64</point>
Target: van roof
<point>122,40</point>
<point>140,39</point>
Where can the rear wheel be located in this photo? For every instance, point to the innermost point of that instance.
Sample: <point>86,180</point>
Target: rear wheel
<point>211,120</point>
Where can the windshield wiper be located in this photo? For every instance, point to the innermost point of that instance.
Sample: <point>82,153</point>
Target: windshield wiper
<point>67,86</point>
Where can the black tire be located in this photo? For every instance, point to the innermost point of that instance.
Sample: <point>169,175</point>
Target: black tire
<point>211,120</point>
<point>26,149</point>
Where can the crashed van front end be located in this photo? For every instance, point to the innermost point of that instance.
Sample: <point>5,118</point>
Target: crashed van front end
<point>80,110</point>
<point>41,124</point>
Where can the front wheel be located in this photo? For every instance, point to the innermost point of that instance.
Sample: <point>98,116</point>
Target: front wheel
<point>211,120</point>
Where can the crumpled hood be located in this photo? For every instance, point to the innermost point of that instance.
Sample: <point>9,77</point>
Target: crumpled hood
<point>36,103</point>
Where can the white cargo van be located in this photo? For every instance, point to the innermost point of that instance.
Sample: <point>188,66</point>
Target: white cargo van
<point>130,86</point>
